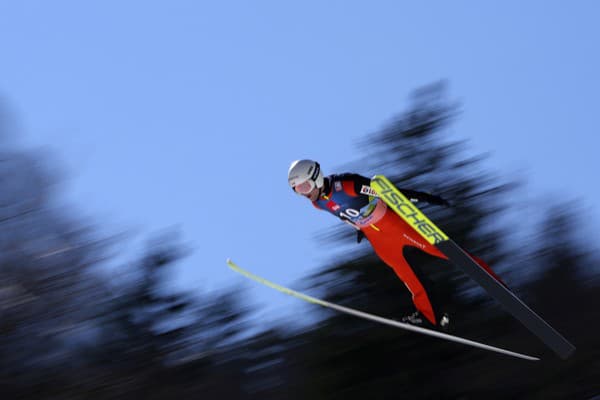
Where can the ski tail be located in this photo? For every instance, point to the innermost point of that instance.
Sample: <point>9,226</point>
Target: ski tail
<point>496,289</point>
<point>375,318</point>
<point>515,306</point>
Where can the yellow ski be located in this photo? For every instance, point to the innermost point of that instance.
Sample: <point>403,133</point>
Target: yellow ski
<point>434,235</point>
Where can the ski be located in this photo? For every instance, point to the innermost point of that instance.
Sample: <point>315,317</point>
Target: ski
<point>376,318</point>
<point>434,235</point>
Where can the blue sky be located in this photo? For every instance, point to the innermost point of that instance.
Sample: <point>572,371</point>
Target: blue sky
<point>188,113</point>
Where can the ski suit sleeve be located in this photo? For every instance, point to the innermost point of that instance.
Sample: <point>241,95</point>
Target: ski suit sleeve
<point>354,183</point>
<point>415,196</point>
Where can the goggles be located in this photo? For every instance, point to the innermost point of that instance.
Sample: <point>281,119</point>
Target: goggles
<point>305,187</point>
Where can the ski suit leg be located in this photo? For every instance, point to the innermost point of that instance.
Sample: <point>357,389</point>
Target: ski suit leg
<point>388,241</point>
<point>486,267</point>
<point>419,242</point>
<point>388,237</point>
<point>412,282</point>
<point>432,250</point>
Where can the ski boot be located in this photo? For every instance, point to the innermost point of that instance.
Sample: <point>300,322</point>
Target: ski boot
<point>444,322</point>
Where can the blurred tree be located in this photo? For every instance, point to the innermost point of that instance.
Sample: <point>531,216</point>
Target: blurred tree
<point>345,357</point>
<point>48,290</point>
<point>70,330</point>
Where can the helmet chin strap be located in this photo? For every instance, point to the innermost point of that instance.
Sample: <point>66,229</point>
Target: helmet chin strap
<point>320,193</point>
<point>323,190</point>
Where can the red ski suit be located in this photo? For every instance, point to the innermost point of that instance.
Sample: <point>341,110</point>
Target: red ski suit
<point>348,197</point>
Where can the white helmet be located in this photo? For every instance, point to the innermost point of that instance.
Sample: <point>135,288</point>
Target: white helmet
<point>305,175</point>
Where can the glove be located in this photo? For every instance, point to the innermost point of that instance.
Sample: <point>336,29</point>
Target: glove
<point>359,236</point>
<point>439,201</point>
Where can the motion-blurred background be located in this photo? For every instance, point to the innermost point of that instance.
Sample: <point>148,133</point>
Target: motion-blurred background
<point>142,144</point>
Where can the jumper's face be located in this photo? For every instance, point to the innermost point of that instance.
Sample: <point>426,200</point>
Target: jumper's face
<point>314,194</point>
<point>308,189</point>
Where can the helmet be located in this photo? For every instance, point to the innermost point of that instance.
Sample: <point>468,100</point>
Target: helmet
<point>305,175</point>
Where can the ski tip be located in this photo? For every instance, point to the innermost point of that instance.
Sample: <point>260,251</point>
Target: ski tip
<point>231,264</point>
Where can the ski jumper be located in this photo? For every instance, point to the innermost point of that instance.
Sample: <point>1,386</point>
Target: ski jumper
<point>349,197</point>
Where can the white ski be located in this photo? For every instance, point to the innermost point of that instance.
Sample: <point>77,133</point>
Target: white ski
<point>376,318</point>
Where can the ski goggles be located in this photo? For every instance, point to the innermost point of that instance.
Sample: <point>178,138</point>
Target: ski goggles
<point>305,187</point>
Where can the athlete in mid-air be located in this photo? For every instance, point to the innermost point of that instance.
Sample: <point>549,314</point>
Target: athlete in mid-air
<point>350,197</point>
